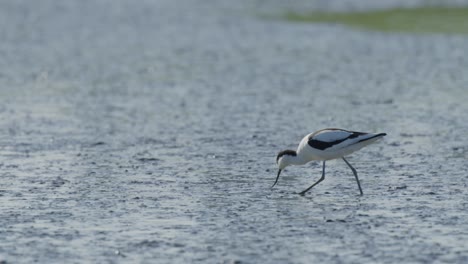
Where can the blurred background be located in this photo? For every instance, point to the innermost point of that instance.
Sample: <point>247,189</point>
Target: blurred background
<point>147,131</point>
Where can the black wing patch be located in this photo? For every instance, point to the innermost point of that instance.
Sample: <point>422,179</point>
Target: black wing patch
<point>356,134</point>
<point>378,135</point>
<point>322,145</point>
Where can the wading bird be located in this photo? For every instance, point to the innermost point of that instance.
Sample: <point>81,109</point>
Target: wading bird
<point>326,144</point>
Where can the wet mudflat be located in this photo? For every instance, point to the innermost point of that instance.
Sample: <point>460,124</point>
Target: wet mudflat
<point>135,132</point>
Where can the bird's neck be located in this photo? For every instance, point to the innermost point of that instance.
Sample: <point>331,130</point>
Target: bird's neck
<point>296,160</point>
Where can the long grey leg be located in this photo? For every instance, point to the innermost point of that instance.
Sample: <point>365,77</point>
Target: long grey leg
<point>355,174</point>
<point>321,179</point>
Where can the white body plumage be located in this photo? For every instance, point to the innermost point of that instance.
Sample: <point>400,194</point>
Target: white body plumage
<point>326,144</point>
<point>346,147</point>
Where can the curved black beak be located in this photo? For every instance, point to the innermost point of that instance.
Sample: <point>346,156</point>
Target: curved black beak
<point>277,177</point>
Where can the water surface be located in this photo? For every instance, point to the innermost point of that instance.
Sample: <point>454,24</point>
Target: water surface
<point>147,132</point>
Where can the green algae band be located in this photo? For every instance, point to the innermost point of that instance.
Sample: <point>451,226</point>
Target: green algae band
<point>414,20</point>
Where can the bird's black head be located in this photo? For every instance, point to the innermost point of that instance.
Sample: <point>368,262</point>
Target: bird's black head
<point>282,163</point>
<point>285,152</point>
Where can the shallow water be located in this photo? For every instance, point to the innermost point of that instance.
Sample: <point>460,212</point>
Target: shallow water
<point>142,132</point>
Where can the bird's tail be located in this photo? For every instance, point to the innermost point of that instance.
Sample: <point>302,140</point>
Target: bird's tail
<point>373,136</point>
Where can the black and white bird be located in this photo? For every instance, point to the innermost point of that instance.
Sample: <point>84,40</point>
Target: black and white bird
<point>326,144</point>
